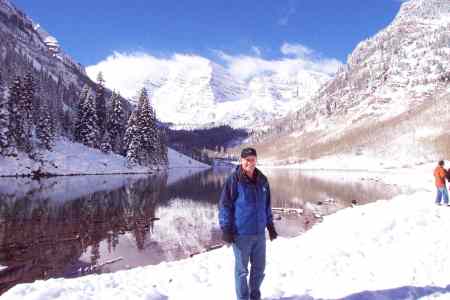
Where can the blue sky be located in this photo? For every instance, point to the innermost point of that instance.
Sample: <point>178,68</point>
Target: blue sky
<point>92,30</point>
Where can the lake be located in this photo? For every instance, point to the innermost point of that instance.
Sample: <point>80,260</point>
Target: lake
<point>73,226</point>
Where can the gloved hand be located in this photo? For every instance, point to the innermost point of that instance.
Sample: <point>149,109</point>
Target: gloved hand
<point>272,232</point>
<point>227,237</point>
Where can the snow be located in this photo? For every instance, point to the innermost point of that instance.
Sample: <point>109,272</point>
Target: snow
<point>204,94</point>
<point>178,160</point>
<point>382,100</point>
<point>68,158</point>
<point>390,249</point>
<point>184,166</point>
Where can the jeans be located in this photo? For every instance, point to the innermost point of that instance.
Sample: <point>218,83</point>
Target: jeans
<point>249,248</point>
<point>442,192</point>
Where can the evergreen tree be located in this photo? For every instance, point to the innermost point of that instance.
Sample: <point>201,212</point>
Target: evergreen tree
<point>89,127</point>
<point>16,119</point>
<point>133,152</point>
<point>26,106</point>
<point>147,131</point>
<point>80,109</point>
<point>131,129</point>
<point>100,105</point>
<point>105,146</point>
<point>115,124</point>
<point>44,130</point>
<point>143,140</point>
<point>131,140</point>
<point>28,96</point>
<point>5,128</point>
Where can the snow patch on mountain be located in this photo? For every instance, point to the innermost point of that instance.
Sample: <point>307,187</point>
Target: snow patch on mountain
<point>393,84</point>
<point>190,91</point>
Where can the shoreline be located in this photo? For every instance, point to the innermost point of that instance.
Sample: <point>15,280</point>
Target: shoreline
<point>52,175</point>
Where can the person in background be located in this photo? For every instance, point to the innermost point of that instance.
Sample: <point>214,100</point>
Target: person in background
<point>439,175</point>
<point>244,214</point>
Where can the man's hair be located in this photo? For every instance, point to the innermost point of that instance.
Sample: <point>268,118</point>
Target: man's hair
<point>441,162</point>
<point>248,152</point>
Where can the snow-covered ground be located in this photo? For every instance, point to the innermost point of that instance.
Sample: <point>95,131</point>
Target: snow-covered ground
<point>355,162</point>
<point>390,249</point>
<point>68,158</point>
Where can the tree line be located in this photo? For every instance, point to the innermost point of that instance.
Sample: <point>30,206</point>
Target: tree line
<point>100,122</point>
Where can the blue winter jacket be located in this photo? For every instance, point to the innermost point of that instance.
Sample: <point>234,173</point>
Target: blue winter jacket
<point>244,207</point>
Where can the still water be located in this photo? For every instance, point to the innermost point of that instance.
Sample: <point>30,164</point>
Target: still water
<point>73,226</point>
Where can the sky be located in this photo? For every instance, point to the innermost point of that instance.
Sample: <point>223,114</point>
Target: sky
<point>92,30</point>
<point>138,41</point>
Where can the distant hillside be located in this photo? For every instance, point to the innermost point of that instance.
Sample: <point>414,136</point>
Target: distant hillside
<point>389,100</point>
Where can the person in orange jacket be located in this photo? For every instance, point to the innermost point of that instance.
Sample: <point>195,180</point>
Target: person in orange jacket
<point>439,176</point>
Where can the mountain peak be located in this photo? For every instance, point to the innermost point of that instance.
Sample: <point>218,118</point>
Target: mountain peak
<point>197,92</point>
<point>424,9</point>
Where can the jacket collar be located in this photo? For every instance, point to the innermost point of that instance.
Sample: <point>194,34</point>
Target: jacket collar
<point>244,178</point>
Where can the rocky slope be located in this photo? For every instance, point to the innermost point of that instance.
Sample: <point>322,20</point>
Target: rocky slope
<point>391,95</point>
<point>26,47</point>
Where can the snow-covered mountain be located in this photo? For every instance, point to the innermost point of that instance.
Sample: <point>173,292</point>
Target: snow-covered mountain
<point>397,68</point>
<point>213,97</point>
<point>55,81</point>
<point>26,47</point>
<point>194,92</point>
<point>42,50</point>
<point>390,95</point>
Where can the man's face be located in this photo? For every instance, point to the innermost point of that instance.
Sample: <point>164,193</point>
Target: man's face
<point>248,163</point>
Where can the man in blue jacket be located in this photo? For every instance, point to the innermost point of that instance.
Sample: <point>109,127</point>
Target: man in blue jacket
<point>244,214</point>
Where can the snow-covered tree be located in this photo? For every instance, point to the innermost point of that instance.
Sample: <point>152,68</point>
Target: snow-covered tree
<point>142,136</point>
<point>25,107</point>
<point>131,129</point>
<point>133,152</point>
<point>80,109</point>
<point>105,146</point>
<point>89,127</point>
<point>44,130</point>
<point>100,105</point>
<point>16,115</point>
<point>147,131</point>
<point>28,90</point>
<point>5,128</point>
<point>115,123</point>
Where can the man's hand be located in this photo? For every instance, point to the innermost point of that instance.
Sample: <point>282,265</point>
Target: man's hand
<point>272,232</point>
<point>228,237</point>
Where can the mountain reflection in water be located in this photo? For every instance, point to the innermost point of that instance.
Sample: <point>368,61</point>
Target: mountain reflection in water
<point>71,226</point>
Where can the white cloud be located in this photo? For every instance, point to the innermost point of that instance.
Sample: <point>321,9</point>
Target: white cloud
<point>297,58</point>
<point>129,72</point>
<point>296,50</point>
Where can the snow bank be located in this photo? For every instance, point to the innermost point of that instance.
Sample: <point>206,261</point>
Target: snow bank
<point>385,248</point>
<point>178,160</point>
<point>351,162</point>
<point>68,158</point>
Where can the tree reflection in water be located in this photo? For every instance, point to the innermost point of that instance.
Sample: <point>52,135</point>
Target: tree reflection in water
<point>63,227</point>
<point>44,237</point>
